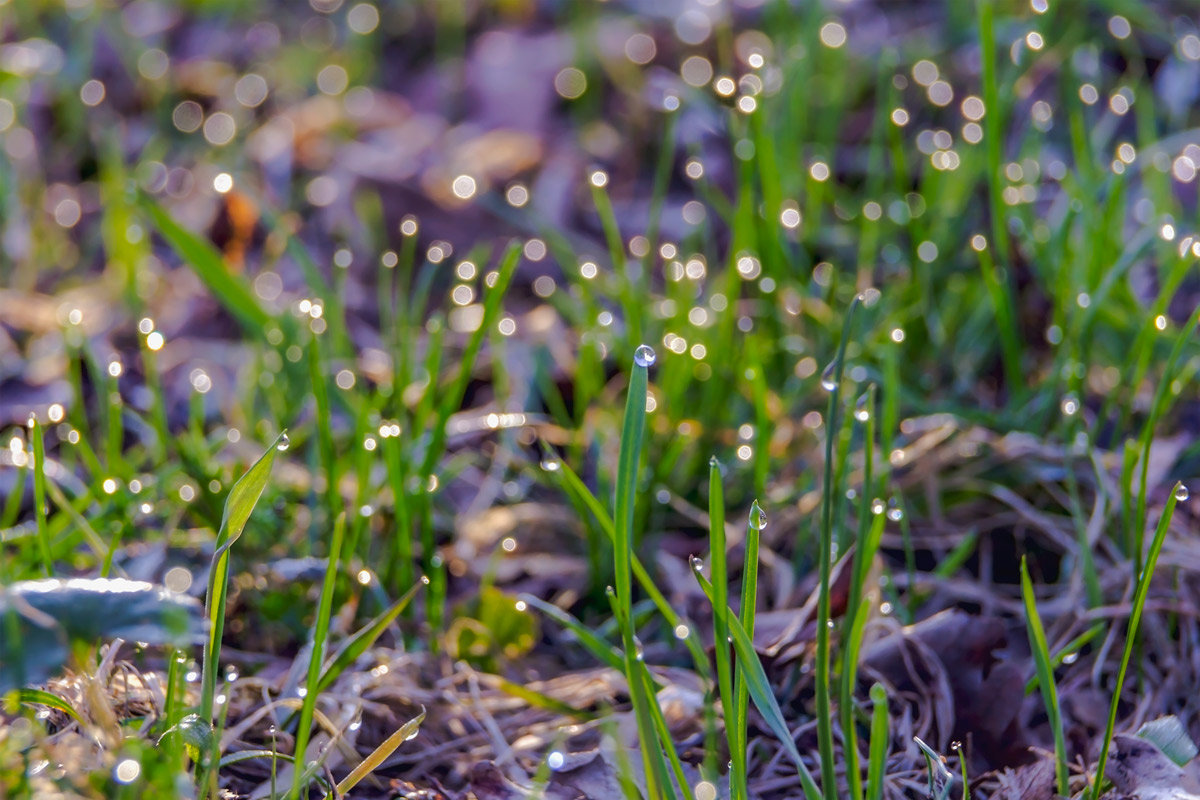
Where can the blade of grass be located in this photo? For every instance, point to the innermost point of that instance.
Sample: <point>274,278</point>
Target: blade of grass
<point>880,735</point>
<point>754,525</point>
<point>39,494</point>
<point>1131,632</point>
<point>831,380</point>
<point>604,653</point>
<point>239,504</point>
<point>629,458</point>
<point>380,754</point>
<point>319,637</point>
<point>359,643</point>
<point>1045,673</point>
<point>574,485</point>
<point>209,264</point>
<point>760,691</point>
<point>720,584</point>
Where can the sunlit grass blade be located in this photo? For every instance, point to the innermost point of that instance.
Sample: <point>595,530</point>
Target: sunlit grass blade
<point>1131,631</point>
<point>1045,673</point>
<point>319,637</point>
<point>360,642</point>
<point>759,687</point>
<point>380,754</point>
<point>239,504</point>
<point>43,698</point>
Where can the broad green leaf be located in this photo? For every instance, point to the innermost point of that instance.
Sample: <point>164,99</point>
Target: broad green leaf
<point>51,614</point>
<point>1169,735</point>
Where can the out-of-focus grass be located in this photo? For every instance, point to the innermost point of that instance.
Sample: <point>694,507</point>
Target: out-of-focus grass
<point>1013,194</point>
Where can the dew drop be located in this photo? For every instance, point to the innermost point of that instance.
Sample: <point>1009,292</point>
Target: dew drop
<point>1070,405</point>
<point>412,735</point>
<point>894,513</point>
<point>697,564</point>
<point>758,517</point>
<point>877,506</point>
<point>639,652</point>
<point>828,381</point>
<point>1181,492</point>
<point>425,580</point>
<point>644,356</point>
<point>555,760</point>
<point>284,442</point>
<point>862,411</point>
<point>551,465</point>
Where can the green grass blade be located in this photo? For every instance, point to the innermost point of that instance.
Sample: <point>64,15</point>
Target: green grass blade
<point>831,380</point>
<point>746,615</point>
<point>43,698</point>
<point>319,638</point>
<point>628,461</point>
<point>574,485</point>
<point>720,600</point>
<point>1135,620</point>
<point>207,262</point>
<point>359,643</point>
<point>602,650</point>
<point>880,736</point>
<point>39,494</point>
<point>240,502</point>
<point>760,691</point>
<point>1045,673</point>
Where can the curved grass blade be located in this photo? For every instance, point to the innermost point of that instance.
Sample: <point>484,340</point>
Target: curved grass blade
<point>38,697</point>
<point>602,650</point>
<point>320,634</point>
<point>358,644</point>
<point>1045,673</point>
<point>240,502</point>
<point>1135,620</point>
<point>209,264</point>
<point>760,692</point>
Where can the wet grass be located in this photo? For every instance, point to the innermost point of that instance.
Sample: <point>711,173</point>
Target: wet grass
<point>925,300</point>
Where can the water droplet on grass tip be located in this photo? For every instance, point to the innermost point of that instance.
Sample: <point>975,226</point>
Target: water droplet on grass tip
<point>1181,492</point>
<point>862,411</point>
<point>697,563</point>
<point>1070,405</point>
<point>758,517</point>
<point>284,442</point>
<point>644,356</point>
<point>828,381</point>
